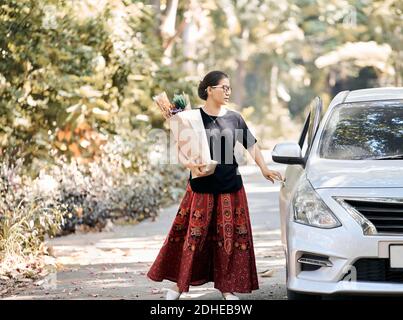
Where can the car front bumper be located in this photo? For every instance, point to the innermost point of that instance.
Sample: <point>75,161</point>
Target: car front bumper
<point>343,247</point>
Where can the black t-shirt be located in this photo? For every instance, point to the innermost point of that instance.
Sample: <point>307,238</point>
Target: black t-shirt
<point>222,136</point>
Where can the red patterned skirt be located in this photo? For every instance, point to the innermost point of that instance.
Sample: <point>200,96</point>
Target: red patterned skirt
<point>210,240</point>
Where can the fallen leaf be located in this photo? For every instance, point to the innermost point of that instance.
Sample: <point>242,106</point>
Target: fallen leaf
<point>267,273</point>
<point>155,291</point>
<point>127,252</point>
<point>40,282</point>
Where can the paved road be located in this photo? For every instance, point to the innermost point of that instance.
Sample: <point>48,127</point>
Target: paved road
<point>112,265</point>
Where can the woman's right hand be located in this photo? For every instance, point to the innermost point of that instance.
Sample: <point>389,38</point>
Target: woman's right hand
<point>272,175</point>
<point>196,169</point>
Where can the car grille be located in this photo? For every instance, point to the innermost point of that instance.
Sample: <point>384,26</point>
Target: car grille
<point>387,217</point>
<point>375,270</point>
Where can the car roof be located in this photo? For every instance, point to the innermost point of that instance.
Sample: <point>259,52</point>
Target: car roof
<point>374,94</point>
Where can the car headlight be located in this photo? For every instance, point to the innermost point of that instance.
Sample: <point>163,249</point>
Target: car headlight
<point>310,209</point>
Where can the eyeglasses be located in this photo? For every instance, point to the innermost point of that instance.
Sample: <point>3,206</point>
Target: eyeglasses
<point>226,89</point>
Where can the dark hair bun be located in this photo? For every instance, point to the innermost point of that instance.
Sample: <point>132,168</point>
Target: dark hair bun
<point>202,90</point>
<point>210,79</point>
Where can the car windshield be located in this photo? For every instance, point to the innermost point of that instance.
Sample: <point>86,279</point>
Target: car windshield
<point>358,131</point>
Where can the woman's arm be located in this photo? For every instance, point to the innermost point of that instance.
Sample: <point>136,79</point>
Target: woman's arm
<point>256,155</point>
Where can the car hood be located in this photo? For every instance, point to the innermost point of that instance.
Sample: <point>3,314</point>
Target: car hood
<point>324,173</point>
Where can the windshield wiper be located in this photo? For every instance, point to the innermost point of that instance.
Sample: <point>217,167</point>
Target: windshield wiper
<point>394,157</point>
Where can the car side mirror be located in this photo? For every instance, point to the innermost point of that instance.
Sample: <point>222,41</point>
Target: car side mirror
<point>288,153</point>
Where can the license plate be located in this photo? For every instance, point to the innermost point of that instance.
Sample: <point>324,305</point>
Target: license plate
<point>396,256</point>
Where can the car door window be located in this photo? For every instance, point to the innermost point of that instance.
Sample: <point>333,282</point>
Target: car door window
<point>311,126</point>
<point>303,139</point>
<point>314,120</point>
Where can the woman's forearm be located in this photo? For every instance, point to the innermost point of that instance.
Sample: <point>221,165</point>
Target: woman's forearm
<point>257,155</point>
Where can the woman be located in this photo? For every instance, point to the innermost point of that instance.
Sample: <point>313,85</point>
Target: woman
<point>211,236</point>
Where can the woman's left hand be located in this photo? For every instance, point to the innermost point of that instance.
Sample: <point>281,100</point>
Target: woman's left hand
<point>272,175</point>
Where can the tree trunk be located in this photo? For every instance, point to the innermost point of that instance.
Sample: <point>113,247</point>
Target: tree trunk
<point>273,87</point>
<point>168,24</point>
<point>398,70</point>
<point>190,37</point>
<point>168,30</point>
<point>239,92</point>
<point>156,4</point>
<point>273,79</point>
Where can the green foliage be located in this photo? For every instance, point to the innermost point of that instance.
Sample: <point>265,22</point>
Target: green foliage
<point>49,66</point>
<point>27,213</point>
<point>72,76</point>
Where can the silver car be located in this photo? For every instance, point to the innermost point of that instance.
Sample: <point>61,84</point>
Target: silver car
<point>341,204</point>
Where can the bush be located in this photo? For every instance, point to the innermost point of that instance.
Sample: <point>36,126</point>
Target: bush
<point>122,184</point>
<point>28,212</point>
